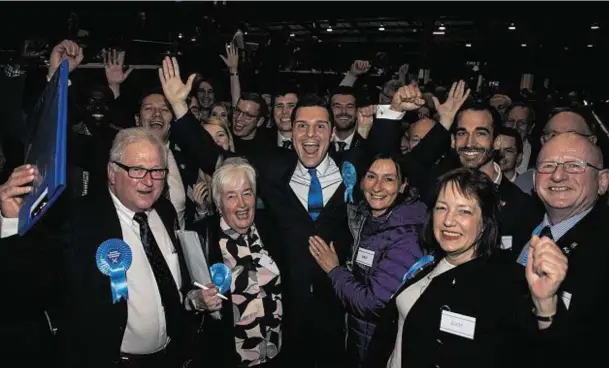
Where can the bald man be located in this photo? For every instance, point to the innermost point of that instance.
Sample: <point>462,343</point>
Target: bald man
<point>569,178</point>
<point>563,122</point>
<point>417,131</point>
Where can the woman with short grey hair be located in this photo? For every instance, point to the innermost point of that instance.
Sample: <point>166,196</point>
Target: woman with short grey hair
<point>250,333</point>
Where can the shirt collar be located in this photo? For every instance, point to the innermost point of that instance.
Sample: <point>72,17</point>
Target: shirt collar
<point>499,177</point>
<point>558,230</point>
<point>347,140</point>
<point>281,138</point>
<point>322,168</point>
<point>122,210</point>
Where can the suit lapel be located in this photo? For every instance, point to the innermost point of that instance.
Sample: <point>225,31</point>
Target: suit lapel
<point>291,196</point>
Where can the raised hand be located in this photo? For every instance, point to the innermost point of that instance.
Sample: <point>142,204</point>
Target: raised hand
<point>407,98</point>
<point>232,58</point>
<point>65,50</point>
<point>545,270</point>
<point>365,118</point>
<point>17,185</point>
<point>174,89</point>
<point>114,66</point>
<point>456,97</point>
<point>359,67</point>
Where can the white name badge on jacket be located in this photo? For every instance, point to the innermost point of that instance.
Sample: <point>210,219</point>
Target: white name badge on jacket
<point>458,324</point>
<point>364,257</point>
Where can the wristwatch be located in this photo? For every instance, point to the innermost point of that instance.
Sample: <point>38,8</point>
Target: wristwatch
<point>540,318</point>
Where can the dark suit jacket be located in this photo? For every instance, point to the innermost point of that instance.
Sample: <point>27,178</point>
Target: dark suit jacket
<point>577,337</point>
<point>92,326</point>
<point>491,290</point>
<point>357,141</point>
<point>314,318</point>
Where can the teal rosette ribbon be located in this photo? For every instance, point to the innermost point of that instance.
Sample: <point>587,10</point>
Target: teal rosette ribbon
<point>349,179</point>
<point>113,258</point>
<point>221,276</point>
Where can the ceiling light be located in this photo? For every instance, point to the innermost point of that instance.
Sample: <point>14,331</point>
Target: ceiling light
<point>594,26</point>
<point>438,32</point>
<point>512,27</point>
<point>381,28</point>
<point>329,29</point>
<point>194,39</point>
<point>468,45</point>
<point>523,45</point>
<point>590,45</point>
<point>292,35</point>
<point>180,35</point>
<point>442,28</point>
<point>245,33</point>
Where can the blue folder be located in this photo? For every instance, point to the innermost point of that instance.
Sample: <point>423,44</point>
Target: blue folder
<point>46,149</point>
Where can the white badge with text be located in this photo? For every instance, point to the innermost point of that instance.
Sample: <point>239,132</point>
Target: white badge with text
<point>506,242</point>
<point>458,324</point>
<point>365,257</point>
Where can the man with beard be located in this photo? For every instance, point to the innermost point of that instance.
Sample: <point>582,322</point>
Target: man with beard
<point>508,151</point>
<point>344,109</point>
<point>474,133</point>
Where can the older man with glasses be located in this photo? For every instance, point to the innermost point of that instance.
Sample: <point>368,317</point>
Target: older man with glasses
<point>569,179</point>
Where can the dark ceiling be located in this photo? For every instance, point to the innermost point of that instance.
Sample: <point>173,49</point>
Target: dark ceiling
<point>551,39</point>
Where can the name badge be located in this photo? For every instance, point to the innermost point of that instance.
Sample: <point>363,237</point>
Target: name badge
<point>268,263</point>
<point>566,299</point>
<point>506,242</point>
<point>365,257</point>
<point>458,324</point>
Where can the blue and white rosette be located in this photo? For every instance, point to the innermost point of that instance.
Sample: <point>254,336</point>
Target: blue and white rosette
<point>417,267</point>
<point>113,258</point>
<point>221,276</point>
<point>349,179</point>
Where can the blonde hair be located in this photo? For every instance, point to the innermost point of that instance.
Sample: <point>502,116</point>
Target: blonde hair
<point>220,123</point>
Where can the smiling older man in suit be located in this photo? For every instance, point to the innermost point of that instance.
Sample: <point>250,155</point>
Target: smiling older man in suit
<point>569,178</point>
<point>306,191</point>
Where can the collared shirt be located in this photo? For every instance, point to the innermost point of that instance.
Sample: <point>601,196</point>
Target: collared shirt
<point>281,138</point>
<point>177,195</point>
<point>499,177</point>
<point>329,177</point>
<point>146,330</point>
<point>558,230</point>
<point>8,226</point>
<point>347,140</point>
<point>513,179</point>
<point>526,156</point>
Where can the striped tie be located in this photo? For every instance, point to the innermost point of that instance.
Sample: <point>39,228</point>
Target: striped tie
<point>316,199</point>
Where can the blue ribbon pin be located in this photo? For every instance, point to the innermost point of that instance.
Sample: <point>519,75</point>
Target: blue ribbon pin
<point>221,276</point>
<point>349,179</point>
<point>417,267</point>
<point>113,258</point>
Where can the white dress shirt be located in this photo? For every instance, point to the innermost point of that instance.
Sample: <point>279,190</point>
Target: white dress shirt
<point>177,194</point>
<point>8,226</point>
<point>526,156</point>
<point>329,177</point>
<point>146,330</point>
<point>347,140</point>
<point>281,138</point>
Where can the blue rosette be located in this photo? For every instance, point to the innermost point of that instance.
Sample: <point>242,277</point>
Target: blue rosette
<point>417,267</point>
<point>221,276</point>
<point>113,258</point>
<point>349,179</point>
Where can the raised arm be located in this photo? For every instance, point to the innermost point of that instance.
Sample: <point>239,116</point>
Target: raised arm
<point>186,130</point>
<point>232,63</point>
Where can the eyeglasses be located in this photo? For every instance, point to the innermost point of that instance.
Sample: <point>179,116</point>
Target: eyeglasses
<point>139,172</point>
<point>245,114</point>
<point>572,167</point>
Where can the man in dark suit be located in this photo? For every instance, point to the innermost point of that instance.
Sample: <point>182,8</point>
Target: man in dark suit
<point>472,141</point>
<point>344,104</point>
<point>305,192</point>
<point>569,179</point>
<point>150,327</point>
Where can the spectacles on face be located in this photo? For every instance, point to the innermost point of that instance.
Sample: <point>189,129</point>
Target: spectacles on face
<point>139,172</point>
<point>247,115</point>
<point>548,135</point>
<point>571,167</point>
